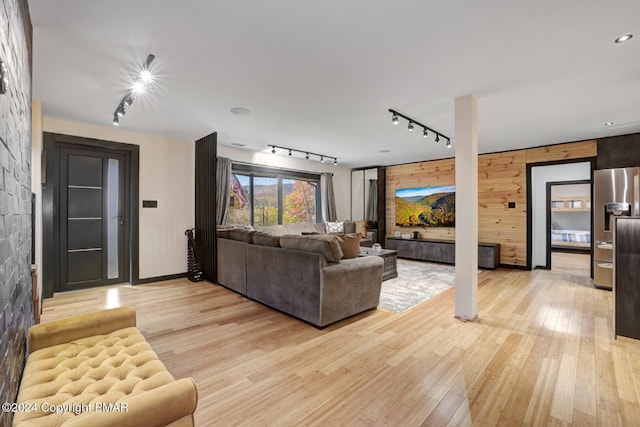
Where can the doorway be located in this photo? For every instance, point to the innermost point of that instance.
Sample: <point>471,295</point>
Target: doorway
<point>538,225</point>
<point>569,223</point>
<point>90,215</point>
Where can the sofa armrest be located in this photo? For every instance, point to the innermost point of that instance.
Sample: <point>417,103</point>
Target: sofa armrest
<point>85,325</point>
<point>154,408</point>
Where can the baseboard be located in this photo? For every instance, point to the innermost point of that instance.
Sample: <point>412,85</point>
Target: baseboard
<point>160,278</point>
<point>515,267</point>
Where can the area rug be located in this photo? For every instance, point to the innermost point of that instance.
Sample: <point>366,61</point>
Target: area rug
<point>416,283</point>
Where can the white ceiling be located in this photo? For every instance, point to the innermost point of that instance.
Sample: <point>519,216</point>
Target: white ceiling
<point>321,75</point>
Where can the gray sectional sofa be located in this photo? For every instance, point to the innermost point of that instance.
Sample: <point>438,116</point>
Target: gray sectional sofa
<point>306,278</point>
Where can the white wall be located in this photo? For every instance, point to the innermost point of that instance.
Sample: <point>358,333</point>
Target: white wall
<point>341,175</point>
<point>36,185</point>
<point>167,175</point>
<point>540,175</point>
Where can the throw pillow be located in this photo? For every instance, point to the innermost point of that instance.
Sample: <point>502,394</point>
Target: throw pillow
<point>334,227</point>
<point>326,246</point>
<point>350,245</point>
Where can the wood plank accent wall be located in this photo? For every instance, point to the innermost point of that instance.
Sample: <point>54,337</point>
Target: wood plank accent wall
<point>501,179</point>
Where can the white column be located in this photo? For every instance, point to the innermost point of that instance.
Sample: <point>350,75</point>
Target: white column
<point>466,146</point>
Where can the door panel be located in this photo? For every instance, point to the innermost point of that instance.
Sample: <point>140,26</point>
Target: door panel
<point>84,170</point>
<point>84,234</point>
<point>91,218</point>
<point>84,202</point>
<point>84,266</point>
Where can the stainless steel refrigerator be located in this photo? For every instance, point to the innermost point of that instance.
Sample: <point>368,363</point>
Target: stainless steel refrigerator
<point>616,193</point>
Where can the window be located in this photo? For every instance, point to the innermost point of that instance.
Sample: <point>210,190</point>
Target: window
<point>263,196</point>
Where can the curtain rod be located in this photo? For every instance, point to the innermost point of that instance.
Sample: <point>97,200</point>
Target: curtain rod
<point>278,167</point>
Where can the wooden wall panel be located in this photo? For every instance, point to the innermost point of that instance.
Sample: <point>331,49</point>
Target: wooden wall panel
<point>502,178</point>
<point>551,153</point>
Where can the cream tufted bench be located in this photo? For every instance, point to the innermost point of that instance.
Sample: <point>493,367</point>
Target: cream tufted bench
<point>98,370</point>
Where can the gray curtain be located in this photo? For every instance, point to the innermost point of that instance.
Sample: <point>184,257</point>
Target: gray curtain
<point>223,183</point>
<point>329,201</point>
<point>372,201</point>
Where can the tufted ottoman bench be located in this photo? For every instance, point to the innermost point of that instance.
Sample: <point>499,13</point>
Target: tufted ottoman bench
<point>98,370</point>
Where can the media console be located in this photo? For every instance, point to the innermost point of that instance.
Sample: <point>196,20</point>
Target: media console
<point>442,251</point>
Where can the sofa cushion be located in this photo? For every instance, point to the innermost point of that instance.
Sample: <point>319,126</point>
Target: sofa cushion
<point>266,239</point>
<point>223,234</point>
<point>301,227</point>
<point>334,227</point>
<point>278,230</point>
<point>241,235</point>
<point>350,245</point>
<point>324,245</point>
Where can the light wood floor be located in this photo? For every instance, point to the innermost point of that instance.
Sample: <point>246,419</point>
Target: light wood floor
<point>578,264</point>
<point>541,353</point>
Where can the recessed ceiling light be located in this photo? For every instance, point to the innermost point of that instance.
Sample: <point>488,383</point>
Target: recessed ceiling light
<point>237,144</point>
<point>384,151</point>
<point>608,123</point>
<point>240,111</point>
<point>624,38</point>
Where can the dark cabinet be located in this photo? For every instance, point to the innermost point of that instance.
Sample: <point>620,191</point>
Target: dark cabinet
<point>626,286</point>
<point>443,251</point>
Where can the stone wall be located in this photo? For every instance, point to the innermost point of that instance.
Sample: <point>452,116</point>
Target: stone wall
<point>16,306</point>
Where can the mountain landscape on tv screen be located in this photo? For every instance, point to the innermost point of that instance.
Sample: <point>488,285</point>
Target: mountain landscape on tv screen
<point>433,210</point>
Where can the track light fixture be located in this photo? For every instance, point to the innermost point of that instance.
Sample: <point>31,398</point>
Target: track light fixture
<point>307,154</point>
<point>138,87</point>
<point>413,122</point>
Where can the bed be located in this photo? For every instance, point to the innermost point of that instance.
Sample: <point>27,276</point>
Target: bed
<point>571,239</point>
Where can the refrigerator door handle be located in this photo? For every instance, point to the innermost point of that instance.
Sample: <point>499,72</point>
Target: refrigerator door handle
<point>604,245</point>
<point>636,195</point>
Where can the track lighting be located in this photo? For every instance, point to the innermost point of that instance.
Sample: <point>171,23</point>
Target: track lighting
<point>425,128</point>
<point>307,154</point>
<point>138,87</point>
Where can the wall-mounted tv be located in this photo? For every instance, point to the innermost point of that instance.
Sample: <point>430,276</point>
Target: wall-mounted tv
<point>426,206</point>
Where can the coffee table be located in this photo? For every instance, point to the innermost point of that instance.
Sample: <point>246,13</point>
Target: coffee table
<point>390,258</point>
